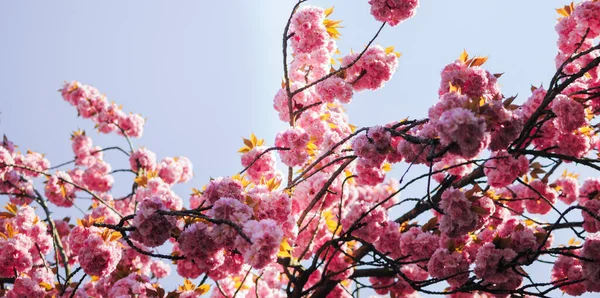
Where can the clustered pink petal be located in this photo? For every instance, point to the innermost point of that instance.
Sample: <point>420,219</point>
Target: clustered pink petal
<point>489,261</point>
<point>446,264</point>
<point>262,167</point>
<point>473,81</point>
<point>372,70</point>
<point>142,158</point>
<point>266,236</point>
<point>175,170</point>
<point>371,223</point>
<point>196,243</point>
<point>232,210</point>
<point>464,130</point>
<point>566,269</point>
<point>14,255</point>
<point>223,187</point>
<point>133,285</point>
<point>97,177</point>
<point>152,229</point>
<point>393,12</point>
<point>590,223</point>
<point>59,189</point>
<point>539,197</point>
<point>99,257</point>
<point>458,218</point>
<point>335,88</point>
<point>570,115</point>
<point>108,116</point>
<point>296,139</point>
<point>502,168</point>
<point>569,189</point>
<point>418,245</point>
<point>591,269</point>
<point>309,31</point>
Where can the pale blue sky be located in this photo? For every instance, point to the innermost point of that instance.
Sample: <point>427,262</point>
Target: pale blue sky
<point>204,73</point>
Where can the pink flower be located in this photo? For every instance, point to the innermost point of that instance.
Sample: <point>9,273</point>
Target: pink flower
<point>590,224</point>
<point>444,264</point>
<point>502,168</point>
<point>59,191</point>
<point>262,167</point>
<point>458,218</point>
<point>375,68</point>
<point>266,236</point>
<point>152,229</point>
<point>175,170</point>
<point>223,187</point>
<point>5,159</point>
<point>586,15</point>
<point>535,203</point>
<point>393,12</point>
<point>591,269</point>
<point>144,159</point>
<point>26,287</point>
<point>296,139</point>
<point>14,255</point>
<point>232,210</point>
<point>97,177</point>
<point>335,88</point>
<point>489,261</point>
<point>98,256</point>
<point>370,223</point>
<point>569,189</point>
<point>461,127</point>
<point>473,81</point>
<point>133,285</point>
<point>309,31</point>
<point>568,269</point>
<point>570,114</point>
<point>197,244</point>
<point>417,244</point>
<point>160,269</point>
<point>132,125</point>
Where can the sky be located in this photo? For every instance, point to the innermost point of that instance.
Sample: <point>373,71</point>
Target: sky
<point>204,73</point>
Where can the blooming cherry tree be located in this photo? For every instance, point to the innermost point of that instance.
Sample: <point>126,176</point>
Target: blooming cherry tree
<point>321,223</point>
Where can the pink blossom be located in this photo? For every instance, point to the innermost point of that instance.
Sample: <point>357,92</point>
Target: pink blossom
<point>296,139</point>
<point>98,256</point>
<point>232,210</point>
<point>144,159</point>
<point>14,255</point>
<point>502,168</point>
<point>26,287</point>
<point>197,244</point>
<point>375,67</point>
<point>59,190</point>
<point>539,204</point>
<point>586,15</point>
<point>570,114</point>
<point>458,218</point>
<point>132,125</point>
<point>97,177</point>
<point>309,31</point>
<point>393,12</point>
<point>591,224</point>
<point>335,88</point>
<point>135,285</point>
<point>568,269</point>
<point>160,269</point>
<point>444,264</point>
<point>473,81</point>
<point>266,236</point>
<point>223,187</point>
<point>569,189</point>
<point>591,269</point>
<point>262,167</point>
<point>461,127</point>
<point>489,261</point>
<point>417,244</point>
<point>152,229</point>
<point>365,223</point>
